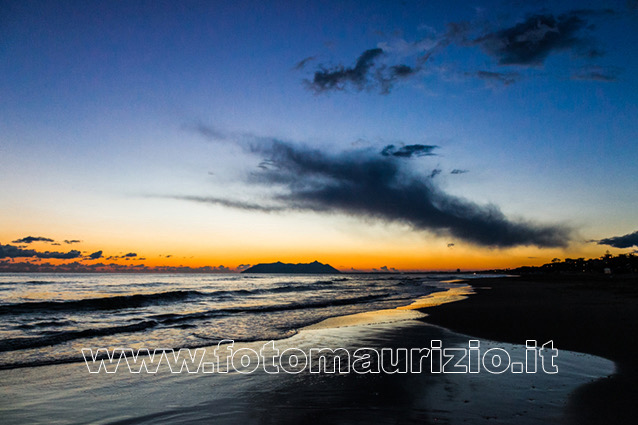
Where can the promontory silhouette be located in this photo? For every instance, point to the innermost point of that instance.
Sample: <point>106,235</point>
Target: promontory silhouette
<point>307,268</point>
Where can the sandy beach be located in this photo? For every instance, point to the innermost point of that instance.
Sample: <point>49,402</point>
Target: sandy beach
<point>69,394</point>
<point>588,314</point>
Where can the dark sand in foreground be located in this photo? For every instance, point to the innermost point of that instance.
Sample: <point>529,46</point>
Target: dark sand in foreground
<point>589,314</point>
<point>597,317</point>
<point>67,393</point>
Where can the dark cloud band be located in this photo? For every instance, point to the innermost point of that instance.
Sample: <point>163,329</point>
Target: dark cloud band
<point>31,239</point>
<point>526,43</point>
<point>338,77</point>
<point>409,151</point>
<point>10,251</point>
<point>382,186</point>
<point>625,241</point>
<point>366,73</point>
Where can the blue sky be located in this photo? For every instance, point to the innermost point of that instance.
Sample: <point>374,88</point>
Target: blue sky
<point>107,111</point>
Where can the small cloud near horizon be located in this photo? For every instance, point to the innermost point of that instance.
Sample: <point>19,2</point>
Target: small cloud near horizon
<point>31,239</point>
<point>95,255</point>
<point>10,251</point>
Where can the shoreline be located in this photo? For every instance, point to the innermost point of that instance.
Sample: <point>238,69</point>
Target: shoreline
<point>390,315</point>
<point>68,392</point>
<point>596,315</point>
<point>425,398</point>
<point>413,311</point>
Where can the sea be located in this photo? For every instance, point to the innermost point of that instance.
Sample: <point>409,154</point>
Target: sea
<point>49,318</point>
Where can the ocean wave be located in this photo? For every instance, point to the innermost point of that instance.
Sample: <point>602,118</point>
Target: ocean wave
<point>54,338</point>
<point>119,302</point>
<point>289,287</point>
<point>50,338</point>
<point>103,303</point>
<point>47,324</point>
<point>29,282</point>
<point>170,318</point>
<point>331,281</point>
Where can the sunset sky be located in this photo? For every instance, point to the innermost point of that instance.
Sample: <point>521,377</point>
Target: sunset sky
<point>415,135</point>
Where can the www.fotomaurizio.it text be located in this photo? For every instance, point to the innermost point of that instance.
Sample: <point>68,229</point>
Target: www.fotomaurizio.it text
<point>225,358</point>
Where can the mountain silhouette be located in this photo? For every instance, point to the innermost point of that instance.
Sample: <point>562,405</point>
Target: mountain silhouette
<point>308,268</point>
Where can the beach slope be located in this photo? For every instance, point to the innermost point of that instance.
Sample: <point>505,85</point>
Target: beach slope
<point>585,313</point>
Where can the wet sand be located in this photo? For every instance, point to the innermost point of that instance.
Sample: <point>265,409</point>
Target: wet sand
<point>588,314</point>
<point>69,394</point>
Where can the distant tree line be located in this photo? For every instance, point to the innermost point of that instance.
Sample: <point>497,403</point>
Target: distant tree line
<point>619,264</point>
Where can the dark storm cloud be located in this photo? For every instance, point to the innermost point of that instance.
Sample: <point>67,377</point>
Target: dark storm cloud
<point>530,42</point>
<point>337,78</point>
<point>95,255</point>
<point>626,241</point>
<point>130,254</point>
<point>457,171</point>
<point>370,185</point>
<point>409,151</point>
<point>31,239</point>
<point>66,241</point>
<point>10,251</point>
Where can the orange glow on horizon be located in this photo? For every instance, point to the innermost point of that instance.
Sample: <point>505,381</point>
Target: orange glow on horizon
<point>441,259</point>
